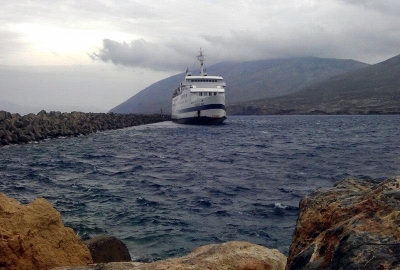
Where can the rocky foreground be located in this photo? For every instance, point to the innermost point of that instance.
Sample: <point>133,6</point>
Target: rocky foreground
<point>353,225</point>
<point>17,129</point>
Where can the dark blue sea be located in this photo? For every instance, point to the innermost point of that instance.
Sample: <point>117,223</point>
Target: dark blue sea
<point>165,188</point>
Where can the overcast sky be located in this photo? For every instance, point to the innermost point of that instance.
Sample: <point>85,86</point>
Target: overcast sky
<point>98,53</point>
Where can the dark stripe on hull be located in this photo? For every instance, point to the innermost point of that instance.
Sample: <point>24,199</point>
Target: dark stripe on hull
<point>202,108</point>
<point>202,120</point>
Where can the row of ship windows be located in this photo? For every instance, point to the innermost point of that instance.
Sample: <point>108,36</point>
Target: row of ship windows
<point>208,93</point>
<point>203,80</point>
<point>203,94</point>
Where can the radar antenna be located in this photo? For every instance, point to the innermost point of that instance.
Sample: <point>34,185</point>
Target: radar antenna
<point>200,57</point>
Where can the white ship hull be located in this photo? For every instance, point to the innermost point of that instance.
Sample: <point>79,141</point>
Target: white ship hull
<point>208,110</point>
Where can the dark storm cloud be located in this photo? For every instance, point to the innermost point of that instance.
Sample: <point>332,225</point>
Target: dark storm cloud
<point>364,30</point>
<point>140,53</point>
<point>350,42</point>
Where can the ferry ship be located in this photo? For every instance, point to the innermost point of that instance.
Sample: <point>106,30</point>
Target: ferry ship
<point>199,100</point>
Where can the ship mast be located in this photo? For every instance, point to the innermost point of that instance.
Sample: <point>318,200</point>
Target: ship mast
<point>200,57</point>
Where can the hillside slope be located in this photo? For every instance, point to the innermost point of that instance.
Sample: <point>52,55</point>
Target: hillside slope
<point>245,81</point>
<point>370,90</point>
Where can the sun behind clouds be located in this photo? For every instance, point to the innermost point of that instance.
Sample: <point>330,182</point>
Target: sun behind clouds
<point>53,45</point>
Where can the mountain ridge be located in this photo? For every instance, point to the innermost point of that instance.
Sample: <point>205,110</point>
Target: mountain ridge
<point>373,89</point>
<point>245,81</point>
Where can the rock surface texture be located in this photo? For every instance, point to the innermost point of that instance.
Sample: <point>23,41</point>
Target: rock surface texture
<point>107,248</point>
<point>33,236</point>
<point>15,129</point>
<point>354,225</point>
<point>230,255</point>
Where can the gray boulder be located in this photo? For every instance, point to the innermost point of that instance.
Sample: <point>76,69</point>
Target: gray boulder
<point>107,248</point>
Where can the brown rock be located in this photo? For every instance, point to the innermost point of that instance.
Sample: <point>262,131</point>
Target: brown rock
<point>354,225</point>
<point>28,128</point>
<point>228,256</point>
<point>41,113</point>
<point>33,236</point>
<point>107,248</point>
<point>4,115</point>
<point>23,138</point>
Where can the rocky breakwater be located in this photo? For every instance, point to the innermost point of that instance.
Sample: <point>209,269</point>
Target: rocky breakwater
<point>33,236</point>
<point>16,129</point>
<point>354,225</point>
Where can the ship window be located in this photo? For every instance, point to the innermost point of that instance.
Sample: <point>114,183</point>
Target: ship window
<point>200,93</point>
<point>215,93</point>
<point>210,94</point>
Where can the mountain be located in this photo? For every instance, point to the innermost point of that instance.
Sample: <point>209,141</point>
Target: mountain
<point>245,81</point>
<point>369,90</point>
<point>15,108</point>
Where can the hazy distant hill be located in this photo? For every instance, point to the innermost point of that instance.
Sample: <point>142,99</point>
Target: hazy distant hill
<point>370,90</point>
<point>245,81</point>
<point>23,110</point>
<point>15,108</point>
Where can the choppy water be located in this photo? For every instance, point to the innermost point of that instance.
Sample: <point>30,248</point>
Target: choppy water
<point>166,188</point>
